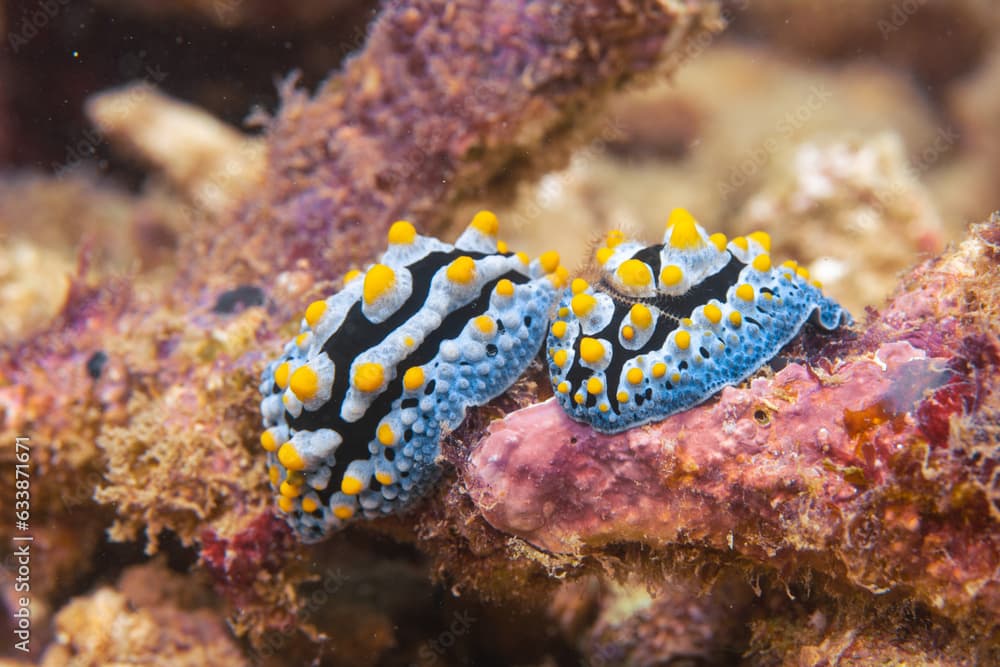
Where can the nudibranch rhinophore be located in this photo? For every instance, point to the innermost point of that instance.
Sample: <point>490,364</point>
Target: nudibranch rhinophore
<point>353,409</point>
<point>665,327</point>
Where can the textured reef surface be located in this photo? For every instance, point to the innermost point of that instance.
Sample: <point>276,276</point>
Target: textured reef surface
<point>354,407</point>
<point>841,505</point>
<point>873,458</point>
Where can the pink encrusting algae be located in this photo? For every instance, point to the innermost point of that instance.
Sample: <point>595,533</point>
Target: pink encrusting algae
<point>860,466</point>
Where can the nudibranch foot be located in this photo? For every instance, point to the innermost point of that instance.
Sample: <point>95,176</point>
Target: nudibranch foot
<point>354,407</point>
<point>665,327</point>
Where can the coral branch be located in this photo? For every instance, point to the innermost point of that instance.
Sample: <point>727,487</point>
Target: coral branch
<point>444,100</point>
<point>878,468</point>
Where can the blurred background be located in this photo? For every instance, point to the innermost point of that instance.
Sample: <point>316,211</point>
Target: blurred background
<point>891,106</point>
<point>862,135</point>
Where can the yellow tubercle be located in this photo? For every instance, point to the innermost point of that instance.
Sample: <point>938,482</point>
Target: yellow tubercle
<point>315,312</point>
<point>763,238</point>
<point>369,377</point>
<point>413,378</point>
<point>343,512</point>
<point>352,486</point>
<point>682,339</point>
<point>740,242</point>
<point>634,273</point>
<point>735,318</point>
<point>281,375</point>
<point>559,358</point>
<point>560,276</point>
<point>684,231</point>
<point>386,435</point>
<point>671,275</point>
<point>815,283</point>
<point>591,350</point>
<point>595,386</point>
<point>290,490</point>
<point>634,376</point>
<point>268,441</point>
<point>274,474</point>
<point>687,321</point>
<point>641,316</point>
<point>603,407</point>
<point>713,313</point>
<point>462,270</point>
<point>675,378</point>
<point>549,261</point>
<point>659,369</point>
<point>744,292</point>
<point>523,256</point>
<point>762,262</point>
<point>579,398</point>
<point>505,287</point>
<point>615,238</point>
<point>802,272</point>
<point>486,222</point>
<point>485,324</point>
<point>401,233</point>
<point>579,285</point>
<point>383,478</point>
<point>628,333</point>
<point>790,264</point>
<point>351,275</point>
<point>563,311</point>
<point>603,254</point>
<point>379,280</point>
<point>502,247</point>
<point>558,329</point>
<point>286,504</point>
<point>408,341</point>
<point>304,383</point>
<point>622,396</point>
<point>309,505</point>
<point>563,387</point>
<point>302,339</point>
<point>289,457</point>
<point>582,304</point>
<point>718,240</point>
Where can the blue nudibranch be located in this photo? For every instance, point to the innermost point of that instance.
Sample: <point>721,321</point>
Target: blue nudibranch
<point>354,407</point>
<point>665,327</point>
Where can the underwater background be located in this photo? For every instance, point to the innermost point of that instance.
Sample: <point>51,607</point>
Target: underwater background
<point>182,179</point>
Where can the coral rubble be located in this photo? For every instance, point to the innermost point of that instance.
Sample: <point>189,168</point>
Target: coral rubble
<point>160,376</point>
<point>871,460</point>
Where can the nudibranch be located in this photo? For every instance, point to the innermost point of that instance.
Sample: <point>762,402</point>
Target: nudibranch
<point>353,409</point>
<point>664,327</point>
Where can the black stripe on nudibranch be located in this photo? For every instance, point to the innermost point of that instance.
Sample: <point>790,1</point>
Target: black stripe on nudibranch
<point>664,327</point>
<point>353,408</point>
